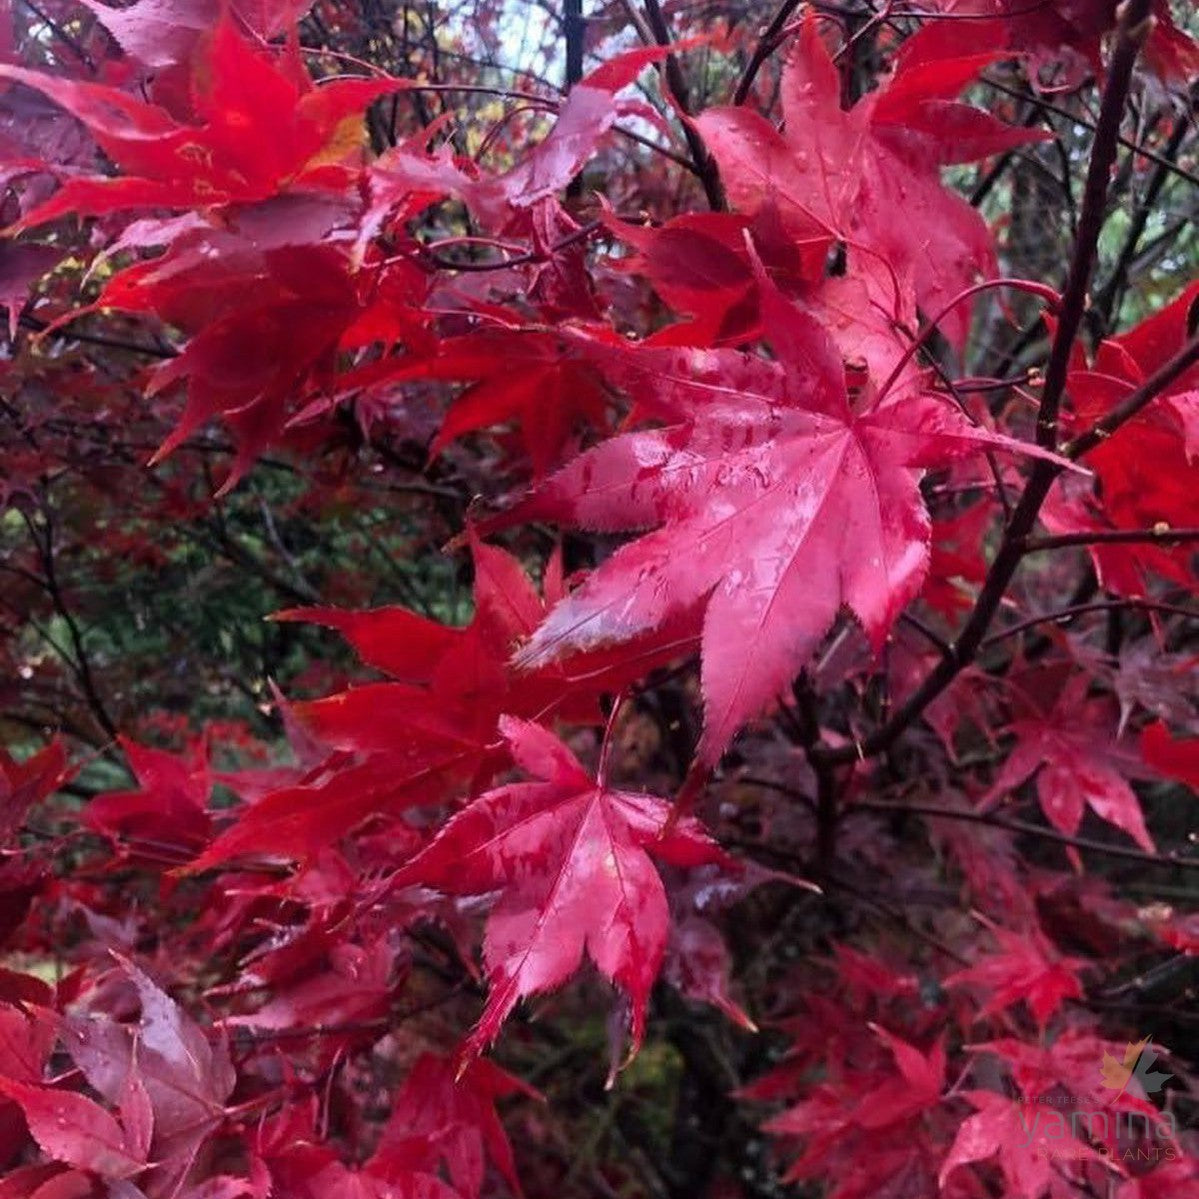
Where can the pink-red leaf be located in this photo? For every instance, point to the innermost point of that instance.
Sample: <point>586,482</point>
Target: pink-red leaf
<point>871,175</point>
<point>774,504</point>
<point>72,1128</point>
<point>570,860</point>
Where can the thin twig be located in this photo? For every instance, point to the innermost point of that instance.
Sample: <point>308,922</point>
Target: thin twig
<point>929,634</point>
<point>1026,828</point>
<point>1126,142</point>
<point>1109,298</point>
<point>763,50</point>
<point>79,661</point>
<point>1160,535</point>
<point>1073,610</point>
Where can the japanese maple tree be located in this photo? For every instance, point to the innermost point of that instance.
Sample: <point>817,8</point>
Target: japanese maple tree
<point>598,600</point>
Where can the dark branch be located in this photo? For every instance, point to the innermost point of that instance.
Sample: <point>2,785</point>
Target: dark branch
<point>705,164</point>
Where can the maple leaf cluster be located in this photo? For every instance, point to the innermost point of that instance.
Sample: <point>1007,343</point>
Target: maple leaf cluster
<point>759,741</point>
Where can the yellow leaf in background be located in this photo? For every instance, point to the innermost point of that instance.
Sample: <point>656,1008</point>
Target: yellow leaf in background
<point>347,140</point>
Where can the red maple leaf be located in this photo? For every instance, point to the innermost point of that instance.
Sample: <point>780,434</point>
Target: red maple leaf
<point>443,1114</point>
<point>775,504</point>
<point>450,685</point>
<point>74,1129</point>
<point>406,178</point>
<point>1175,757</point>
<point>159,33</point>
<point>871,175</point>
<point>268,309</point>
<point>22,264</point>
<point>536,380</point>
<point>1062,38</point>
<point>434,723</point>
<point>256,124</point>
<point>570,859</point>
<point>167,811</point>
<point>23,784</point>
<point>354,983</point>
<point>507,201</point>
<point>697,263</point>
<point>916,1087</point>
<point>185,1074</point>
<point>870,1122</point>
<point>1034,1156</point>
<point>1069,744</point>
<point>1025,968</point>
<point>1147,472</point>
